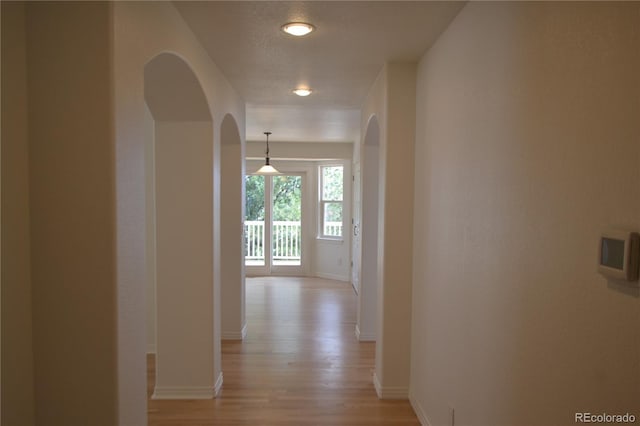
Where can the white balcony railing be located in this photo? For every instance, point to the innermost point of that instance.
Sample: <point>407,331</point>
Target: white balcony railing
<point>286,240</point>
<point>286,237</point>
<point>254,240</point>
<point>333,229</point>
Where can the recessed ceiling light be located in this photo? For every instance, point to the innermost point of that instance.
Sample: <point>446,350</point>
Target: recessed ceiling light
<point>298,29</point>
<point>302,92</point>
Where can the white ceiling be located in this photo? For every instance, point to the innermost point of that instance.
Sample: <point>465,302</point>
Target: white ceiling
<point>339,61</point>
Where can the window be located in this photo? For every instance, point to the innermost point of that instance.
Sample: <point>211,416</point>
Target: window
<point>331,197</point>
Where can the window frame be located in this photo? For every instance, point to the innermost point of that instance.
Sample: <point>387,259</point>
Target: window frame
<point>322,202</point>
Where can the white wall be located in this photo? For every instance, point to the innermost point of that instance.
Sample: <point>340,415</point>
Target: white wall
<point>366,325</point>
<point>184,236</point>
<point>332,259</point>
<point>391,100</point>
<point>180,205</point>
<point>71,206</point>
<point>142,31</point>
<point>150,217</point>
<point>528,146</point>
<point>394,296</point>
<point>373,126</point>
<point>301,150</point>
<point>233,321</point>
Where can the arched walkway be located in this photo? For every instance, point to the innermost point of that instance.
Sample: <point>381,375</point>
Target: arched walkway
<point>182,213</point>
<point>368,296</point>
<point>231,232</point>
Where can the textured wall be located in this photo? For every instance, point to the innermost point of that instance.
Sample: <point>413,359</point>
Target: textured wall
<point>184,250</point>
<point>17,346</point>
<point>528,146</point>
<point>71,178</point>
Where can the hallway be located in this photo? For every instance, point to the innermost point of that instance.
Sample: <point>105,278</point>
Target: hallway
<point>300,364</point>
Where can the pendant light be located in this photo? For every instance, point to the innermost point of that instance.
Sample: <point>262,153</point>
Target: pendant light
<point>267,169</point>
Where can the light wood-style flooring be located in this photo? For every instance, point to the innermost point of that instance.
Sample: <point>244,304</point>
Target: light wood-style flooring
<point>300,365</point>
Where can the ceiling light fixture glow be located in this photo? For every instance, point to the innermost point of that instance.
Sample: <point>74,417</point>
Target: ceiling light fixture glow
<point>302,92</point>
<point>298,29</point>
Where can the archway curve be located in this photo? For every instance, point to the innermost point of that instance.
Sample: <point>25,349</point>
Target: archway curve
<point>372,134</point>
<point>182,163</point>
<point>229,133</point>
<point>172,90</point>
<point>368,295</point>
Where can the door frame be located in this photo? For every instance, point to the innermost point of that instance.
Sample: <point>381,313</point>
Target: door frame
<point>356,229</point>
<point>307,221</point>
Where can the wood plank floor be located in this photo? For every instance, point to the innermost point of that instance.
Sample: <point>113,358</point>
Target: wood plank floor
<point>300,365</point>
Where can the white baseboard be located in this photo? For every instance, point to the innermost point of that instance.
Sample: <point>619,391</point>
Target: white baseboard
<point>389,392</point>
<point>376,384</point>
<point>218,386</point>
<point>417,408</point>
<point>364,337</point>
<point>235,335</point>
<point>332,277</point>
<point>176,392</point>
<point>151,348</point>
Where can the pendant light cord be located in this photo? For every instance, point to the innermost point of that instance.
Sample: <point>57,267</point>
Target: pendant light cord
<point>267,153</point>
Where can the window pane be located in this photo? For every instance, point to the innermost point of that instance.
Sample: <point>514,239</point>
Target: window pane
<point>254,220</point>
<point>287,196</point>
<point>332,183</point>
<point>254,190</point>
<point>287,232</point>
<point>332,219</point>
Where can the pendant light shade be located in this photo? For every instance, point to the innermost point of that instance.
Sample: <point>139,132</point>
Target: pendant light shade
<point>267,169</point>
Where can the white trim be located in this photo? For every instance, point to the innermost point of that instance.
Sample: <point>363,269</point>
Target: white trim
<point>364,337</point>
<point>376,384</point>
<point>332,277</point>
<point>176,392</point>
<point>235,335</point>
<point>290,168</point>
<point>338,241</point>
<point>417,408</point>
<point>218,386</point>
<point>231,335</point>
<point>396,392</point>
<point>151,348</point>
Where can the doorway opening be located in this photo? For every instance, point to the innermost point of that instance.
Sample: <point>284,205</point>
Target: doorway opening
<point>180,235</point>
<point>366,327</point>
